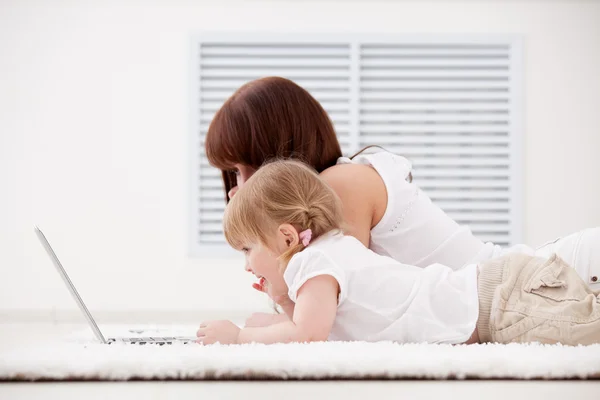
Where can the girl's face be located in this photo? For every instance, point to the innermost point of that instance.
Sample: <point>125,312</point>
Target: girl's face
<point>264,262</point>
<point>242,173</point>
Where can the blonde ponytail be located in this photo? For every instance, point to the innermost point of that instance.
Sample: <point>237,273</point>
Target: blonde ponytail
<point>281,192</point>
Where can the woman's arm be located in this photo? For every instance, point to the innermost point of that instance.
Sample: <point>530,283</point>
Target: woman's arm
<point>363,196</point>
<point>313,316</point>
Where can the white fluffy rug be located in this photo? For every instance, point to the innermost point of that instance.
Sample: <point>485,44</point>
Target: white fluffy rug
<point>83,360</point>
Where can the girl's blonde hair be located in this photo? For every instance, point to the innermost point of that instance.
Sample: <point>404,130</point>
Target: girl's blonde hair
<point>281,192</point>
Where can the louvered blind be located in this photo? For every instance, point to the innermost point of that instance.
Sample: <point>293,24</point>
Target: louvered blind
<point>450,106</point>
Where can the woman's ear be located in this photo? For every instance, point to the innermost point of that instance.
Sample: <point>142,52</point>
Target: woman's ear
<point>287,237</point>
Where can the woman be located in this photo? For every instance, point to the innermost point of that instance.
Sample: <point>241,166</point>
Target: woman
<point>383,209</point>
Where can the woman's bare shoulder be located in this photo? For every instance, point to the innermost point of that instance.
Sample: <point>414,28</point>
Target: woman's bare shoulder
<point>360,188</point>
<point>349,175</point>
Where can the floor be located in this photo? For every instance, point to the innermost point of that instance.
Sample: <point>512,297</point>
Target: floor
<point>12,335</point>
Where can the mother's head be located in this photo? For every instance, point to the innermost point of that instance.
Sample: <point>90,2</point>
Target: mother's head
<point>269,118</point>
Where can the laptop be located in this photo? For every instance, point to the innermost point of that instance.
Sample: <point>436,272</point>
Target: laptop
<point>161,340</point>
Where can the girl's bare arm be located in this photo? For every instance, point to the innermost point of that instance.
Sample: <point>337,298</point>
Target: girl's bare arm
<point>313,316</point>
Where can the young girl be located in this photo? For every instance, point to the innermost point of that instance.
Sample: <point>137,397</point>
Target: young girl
<point>383,209</point>
<point>288,222</point>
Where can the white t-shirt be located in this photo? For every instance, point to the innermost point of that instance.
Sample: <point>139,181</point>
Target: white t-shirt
<point>413,229</point>
<point>381,299</point>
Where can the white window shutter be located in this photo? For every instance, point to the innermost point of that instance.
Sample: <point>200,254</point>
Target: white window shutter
<point>448,107</point>
<point>451,106</point>
<point>220,67</point>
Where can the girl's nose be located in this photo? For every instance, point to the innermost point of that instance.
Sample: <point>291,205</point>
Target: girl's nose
<point>247,268</point>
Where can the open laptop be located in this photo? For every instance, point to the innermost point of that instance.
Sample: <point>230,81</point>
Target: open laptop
<point>88,316</point>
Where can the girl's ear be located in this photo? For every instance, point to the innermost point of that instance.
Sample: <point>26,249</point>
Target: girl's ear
<point>287,237</point>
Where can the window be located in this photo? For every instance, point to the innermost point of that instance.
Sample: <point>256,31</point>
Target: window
<point>449,104</point>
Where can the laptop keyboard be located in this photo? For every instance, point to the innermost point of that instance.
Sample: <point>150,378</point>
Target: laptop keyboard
<point>153,340</point>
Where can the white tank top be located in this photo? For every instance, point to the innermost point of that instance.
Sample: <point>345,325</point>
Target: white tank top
<point>413,230</point>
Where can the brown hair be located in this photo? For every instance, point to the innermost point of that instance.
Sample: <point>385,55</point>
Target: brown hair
<point>270,118</point>
<point>281,192</point>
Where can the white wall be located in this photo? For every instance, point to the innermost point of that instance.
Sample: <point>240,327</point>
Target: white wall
<point>94,133</point>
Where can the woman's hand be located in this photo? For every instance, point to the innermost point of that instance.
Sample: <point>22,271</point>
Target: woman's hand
<point>259,320</point>
<point>224,332</point>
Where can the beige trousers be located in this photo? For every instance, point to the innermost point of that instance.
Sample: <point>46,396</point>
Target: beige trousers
<point>523,298</point>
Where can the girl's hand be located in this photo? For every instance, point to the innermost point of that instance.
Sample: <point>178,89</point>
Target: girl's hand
<point>279,298</point>
<point>313,316</point>
<point>224,332</point>
<point>261,286</point>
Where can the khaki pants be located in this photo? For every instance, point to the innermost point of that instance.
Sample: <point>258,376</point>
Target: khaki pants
<point>523,298</point>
